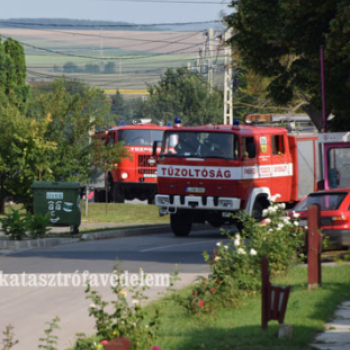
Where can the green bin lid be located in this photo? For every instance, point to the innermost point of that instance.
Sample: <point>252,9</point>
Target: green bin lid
<point>55,185</point>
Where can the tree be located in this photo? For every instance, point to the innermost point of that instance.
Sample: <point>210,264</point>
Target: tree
<point>13,74</point>
<point>70,67</point>
<point>117,105</point>
<point>75,111</point>
<point>281,40</point>
<point>92,68</point>
<point>24,154</point>
<point>109,68</point>
<point>181,93</point>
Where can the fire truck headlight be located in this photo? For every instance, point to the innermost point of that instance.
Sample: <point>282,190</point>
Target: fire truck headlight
<point>164,200</point>
<point>124,176</point>
<point>225,203</point>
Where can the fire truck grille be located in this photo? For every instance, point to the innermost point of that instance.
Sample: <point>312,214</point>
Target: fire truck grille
<point>144,167</point>
<point>210,189</point>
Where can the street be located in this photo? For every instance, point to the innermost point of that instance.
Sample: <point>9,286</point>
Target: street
<point>27,309</point>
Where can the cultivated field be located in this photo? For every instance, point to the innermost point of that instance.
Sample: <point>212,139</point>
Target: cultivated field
<point>140,57</point>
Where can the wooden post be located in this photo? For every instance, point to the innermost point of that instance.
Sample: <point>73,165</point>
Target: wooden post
<point>314,249</point>
<point>265,299</point>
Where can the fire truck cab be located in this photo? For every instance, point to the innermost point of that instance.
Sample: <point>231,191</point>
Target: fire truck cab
<point>206,173</point>
<point>136,175</point>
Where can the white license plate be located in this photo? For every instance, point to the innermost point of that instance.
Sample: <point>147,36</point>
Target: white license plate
<point>195,189</point>
<point>302,223</point>
<point>150,175</point>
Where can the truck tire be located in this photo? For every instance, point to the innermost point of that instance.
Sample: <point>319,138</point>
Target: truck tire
<point>180,224</point>
<point>117,193</point>
<point>257,211</point>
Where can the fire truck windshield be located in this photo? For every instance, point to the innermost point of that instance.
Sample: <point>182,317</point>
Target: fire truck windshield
<point>139,137</point>
<point>200,144</point>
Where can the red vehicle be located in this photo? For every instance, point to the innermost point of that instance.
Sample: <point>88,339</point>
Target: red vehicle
<point>334,211</point>
<point>206,173</point>
<point>135,176</point>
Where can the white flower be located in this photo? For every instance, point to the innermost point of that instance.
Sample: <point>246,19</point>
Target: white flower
<point>280,225</point>
<point>282,205</point>
<point>295,214</point>
<point>241,251</point>
<point>226,247</point>
<point>217,258</point>
<point>92,306</point>
<point>296,223</point>
<point>253,252</point>
<point>273,198</point>
<point>265,212</point>
<point>237,242</point>
<point>306,227</point>
<point>218,244</point>
<point>267,221</point>
<point>278,229</point>
<point>286,220</point>
<point>272,209</point>
<point>237,236</point>
<point>135,302</point>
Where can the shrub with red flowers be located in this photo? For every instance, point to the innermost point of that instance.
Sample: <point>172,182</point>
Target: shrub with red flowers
<point>236,265</point>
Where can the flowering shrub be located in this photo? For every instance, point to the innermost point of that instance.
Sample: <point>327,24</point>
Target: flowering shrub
<point>238,263</point>
<point>125,319</point>
<point>236,266</point>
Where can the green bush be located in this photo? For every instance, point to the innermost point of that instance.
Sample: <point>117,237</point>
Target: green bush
<point>236,266</point>
<point>37,225</point>
<point>14,225</point>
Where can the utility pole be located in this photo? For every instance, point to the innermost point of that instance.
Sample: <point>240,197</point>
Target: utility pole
<point>228,95</point>
<point>210,39</point>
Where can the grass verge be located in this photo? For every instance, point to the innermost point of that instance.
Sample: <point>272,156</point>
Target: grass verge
<point>240,328</point>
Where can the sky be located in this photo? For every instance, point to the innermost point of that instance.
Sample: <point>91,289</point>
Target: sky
<point>132,11</point>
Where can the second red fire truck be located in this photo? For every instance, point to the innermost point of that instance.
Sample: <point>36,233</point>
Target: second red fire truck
<point>136,175</point>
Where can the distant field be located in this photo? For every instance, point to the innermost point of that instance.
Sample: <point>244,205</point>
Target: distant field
<point>140,57</point>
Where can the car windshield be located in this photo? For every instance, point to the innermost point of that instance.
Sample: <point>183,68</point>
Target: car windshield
<point>326,201</point>
<point>200,144</point>
<point>139,137</point>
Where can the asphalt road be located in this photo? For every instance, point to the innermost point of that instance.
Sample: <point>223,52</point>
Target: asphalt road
<point>28,308</point>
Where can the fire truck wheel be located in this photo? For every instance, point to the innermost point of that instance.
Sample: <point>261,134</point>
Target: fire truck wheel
<point>117,194</point>
<point>257,211</point>
<point>180,224</point>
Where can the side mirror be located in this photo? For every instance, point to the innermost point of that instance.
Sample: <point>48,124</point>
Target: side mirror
<point>155,146</point>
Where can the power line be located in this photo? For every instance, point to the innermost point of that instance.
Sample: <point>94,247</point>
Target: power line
<point>60,25</point>
<point>174,2</point>
<point>106,58</point>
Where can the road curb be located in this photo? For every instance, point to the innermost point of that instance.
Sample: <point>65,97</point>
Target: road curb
<point>120,233</point>
<point>7,244</point>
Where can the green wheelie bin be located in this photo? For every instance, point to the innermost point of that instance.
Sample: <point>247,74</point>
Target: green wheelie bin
<point>61,200</point>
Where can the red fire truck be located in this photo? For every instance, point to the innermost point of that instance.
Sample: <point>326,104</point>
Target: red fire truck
<point>136,175</point>
<point>206,173</point>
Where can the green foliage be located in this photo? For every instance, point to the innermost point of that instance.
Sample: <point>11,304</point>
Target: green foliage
<point>88,343</point>
<point>50,340</point>
<point>109,68</point>
<point>236,266</point>
<point>181,93</point>
<point>12,81</point>
<point>124,320</point>
<point>74,111</point>
<point>70,67</point>
<point>24,153</point>
<point>9,341</point>
<point>37,225</point>
<point>281,40</point>
<point>14,225</point>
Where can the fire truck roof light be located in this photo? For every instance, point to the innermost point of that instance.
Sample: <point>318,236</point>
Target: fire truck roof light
<point>177,122</point>
<point>235,121</point>
<point>168,124</point>
<point>123,123</point>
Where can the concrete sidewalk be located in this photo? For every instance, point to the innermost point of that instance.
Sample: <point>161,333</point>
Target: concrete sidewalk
<point>337,332</point>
